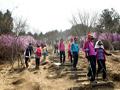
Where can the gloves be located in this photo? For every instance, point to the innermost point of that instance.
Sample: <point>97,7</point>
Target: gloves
<point>110,54</point>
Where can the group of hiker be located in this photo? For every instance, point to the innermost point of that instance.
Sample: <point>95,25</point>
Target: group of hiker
<point>73,51</point>
<point>93,53</point>
<point>38,52</point>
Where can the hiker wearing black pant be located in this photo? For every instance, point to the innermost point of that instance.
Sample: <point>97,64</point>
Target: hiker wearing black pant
<point>27,56</point>
<point>100,55</point>
<point>75,53</point>
<point>91,56</point>
<point>37,56</point>
<point>62,51</point>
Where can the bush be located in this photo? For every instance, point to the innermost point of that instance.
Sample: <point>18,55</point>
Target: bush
<point>116,45</point>
<point>106,44</point>
<point>11,46</point>
<point>5,53</point>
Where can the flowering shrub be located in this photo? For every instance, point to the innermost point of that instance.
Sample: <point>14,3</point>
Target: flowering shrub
<point>108,36</point>
<point>10,44</point>
<point>24,41</point>
<point>114,38</point>
<point>116,45</point>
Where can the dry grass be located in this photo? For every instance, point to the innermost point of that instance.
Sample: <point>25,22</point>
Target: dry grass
<point>50,77</point>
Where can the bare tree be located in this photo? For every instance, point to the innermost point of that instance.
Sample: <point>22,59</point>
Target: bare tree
<point>20,25</point>
<point>86,22</point>
<point>109,22</point>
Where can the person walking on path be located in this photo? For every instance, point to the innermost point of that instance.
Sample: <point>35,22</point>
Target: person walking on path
<point>27,56</point>
<point>75,52</point>
<point>37,56</point>
<point>69,50</point>
<point>62,51</point>
<point>44,52</point>
<point>56,47</point>
<point>91,56</point>
<point>100,55</point>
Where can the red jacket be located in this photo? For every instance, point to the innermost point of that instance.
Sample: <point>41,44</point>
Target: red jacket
<point>38,52</point>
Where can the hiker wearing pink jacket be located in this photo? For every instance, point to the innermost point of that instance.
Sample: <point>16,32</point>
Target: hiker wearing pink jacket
<point>91,56</point>
<point>62,51</point>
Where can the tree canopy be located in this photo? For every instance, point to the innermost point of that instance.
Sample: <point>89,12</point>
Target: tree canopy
<point>6,22</point>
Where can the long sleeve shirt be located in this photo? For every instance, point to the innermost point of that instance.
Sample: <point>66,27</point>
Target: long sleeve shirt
<point>89,48</point>
<point>69,46</point>
<point>100,53</point>
<point>75,47</point>
<point>27,53</point>
<point>61,46</point>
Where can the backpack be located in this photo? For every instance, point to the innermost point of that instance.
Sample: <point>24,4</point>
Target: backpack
<point>38,52</point>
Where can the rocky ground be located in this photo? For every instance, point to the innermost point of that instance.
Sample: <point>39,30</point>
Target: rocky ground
<point>54,77</point>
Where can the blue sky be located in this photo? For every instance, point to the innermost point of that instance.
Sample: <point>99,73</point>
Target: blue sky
<point>47,15</point>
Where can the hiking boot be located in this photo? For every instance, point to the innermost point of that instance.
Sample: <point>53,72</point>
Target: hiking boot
<point>88,77</point>
<point>63,63</point>
<point>93,82</point>
<point>37,67</point>
<point>105,79</point>
<point>74,69</point>
<point>27,65</point>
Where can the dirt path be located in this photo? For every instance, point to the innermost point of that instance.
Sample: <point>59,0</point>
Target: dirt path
<point>32,80</point>
<point>51,77</point>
